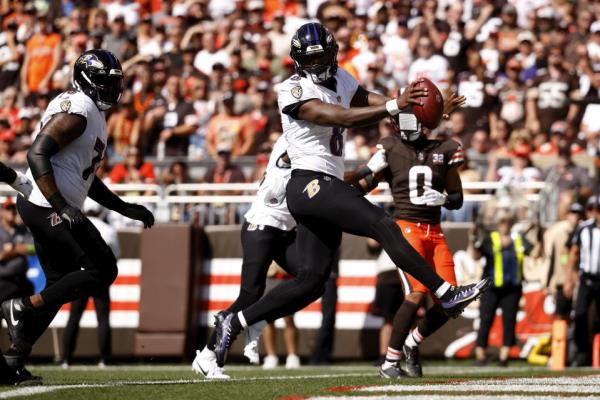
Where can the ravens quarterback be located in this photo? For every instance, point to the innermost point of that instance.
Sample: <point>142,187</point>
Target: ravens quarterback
<point>317,105</point>
<point>267,235</point>
<point>419,171</point>
<point>62,163</point>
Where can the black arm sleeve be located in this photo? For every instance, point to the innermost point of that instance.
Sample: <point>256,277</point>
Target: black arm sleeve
<point>39,154</point>
<point>103,195</point>
<point>454,201</point>
<point>292,109</point>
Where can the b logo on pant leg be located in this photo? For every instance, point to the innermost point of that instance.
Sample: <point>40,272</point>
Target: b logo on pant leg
<point>312,188</point>
<point>54,219</point>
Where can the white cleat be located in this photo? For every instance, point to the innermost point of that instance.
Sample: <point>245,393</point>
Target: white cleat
<point>251,337</point>
<point>205,364</point>
<point>292,361</point>
<point>22,185</point>
<point>270,362</point>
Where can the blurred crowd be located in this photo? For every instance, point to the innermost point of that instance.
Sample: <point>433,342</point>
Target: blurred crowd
<point>202,75</point>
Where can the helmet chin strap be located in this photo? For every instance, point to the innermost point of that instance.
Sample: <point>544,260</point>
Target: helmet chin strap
<point>319,78</point>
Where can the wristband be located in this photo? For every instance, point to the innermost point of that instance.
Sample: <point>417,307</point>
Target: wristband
<point>364,171</point>
<point>392,107</point>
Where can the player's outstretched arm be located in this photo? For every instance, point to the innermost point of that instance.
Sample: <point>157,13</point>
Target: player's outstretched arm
<point>321,113</point>
<point>105,197</point>
<point>367,178</point>
<point>61,130</point>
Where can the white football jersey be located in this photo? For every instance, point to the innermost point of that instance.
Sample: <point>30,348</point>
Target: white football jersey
<point>270,207</point>
<point>75,165</point>
<point>315,147</point>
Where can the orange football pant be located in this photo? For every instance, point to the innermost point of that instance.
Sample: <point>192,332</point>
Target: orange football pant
<point>429,241</point>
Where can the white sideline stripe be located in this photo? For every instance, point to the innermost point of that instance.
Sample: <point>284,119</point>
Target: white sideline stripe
<point>313,319</point>
<point>29,391</point>
<point>489,387</point>
<point>436,397</point>
<point>130,266</point>
<point>125,292</point>
<point>233,266</point>
<point>346,294</point>
<point>118,319</point>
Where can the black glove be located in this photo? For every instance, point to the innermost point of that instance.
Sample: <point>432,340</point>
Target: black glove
<point>65,211</point>
<point>72,215</point>
<point>139,213</point>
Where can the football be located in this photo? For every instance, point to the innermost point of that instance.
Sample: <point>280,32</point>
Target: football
<point>430,113</point>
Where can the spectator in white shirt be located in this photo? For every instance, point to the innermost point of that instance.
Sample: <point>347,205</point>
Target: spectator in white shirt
<point>429,65</point>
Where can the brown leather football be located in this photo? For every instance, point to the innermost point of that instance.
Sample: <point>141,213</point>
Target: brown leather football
<point>430,113</point>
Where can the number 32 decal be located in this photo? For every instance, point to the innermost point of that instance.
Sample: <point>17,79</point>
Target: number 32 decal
<point>336,143</point>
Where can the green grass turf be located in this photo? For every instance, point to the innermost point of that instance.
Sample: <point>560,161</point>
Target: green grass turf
<point>158,381</point>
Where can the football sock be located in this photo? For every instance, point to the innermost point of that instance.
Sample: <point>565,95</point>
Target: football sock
<point>391,357</point>
<point>242,320</point>
<point>434,319</point>
<point>7,174</point>
<point>414,338</point>
<point>236,326</point>
<point>442,290</point>
<point>403,321</point>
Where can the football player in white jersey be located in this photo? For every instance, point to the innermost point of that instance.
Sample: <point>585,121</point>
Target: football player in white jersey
<point>317,105</point>
<point>268,235</point>
<point>62,162</point>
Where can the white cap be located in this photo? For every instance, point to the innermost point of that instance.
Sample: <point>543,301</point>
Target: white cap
<point>595,27</point>
<point>526,36</point>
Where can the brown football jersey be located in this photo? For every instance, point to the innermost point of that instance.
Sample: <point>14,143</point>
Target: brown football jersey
<point>413,167</point>
<point>552,96</point>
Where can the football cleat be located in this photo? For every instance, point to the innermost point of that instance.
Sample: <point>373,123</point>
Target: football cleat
<point>225,336</point>
<point>205,363</point>
<point>251,337</point>
<point>392,372</point>
<point>413,362</point>
<point>15,313</point>
<point>25,378</point>
<point>458,298</point>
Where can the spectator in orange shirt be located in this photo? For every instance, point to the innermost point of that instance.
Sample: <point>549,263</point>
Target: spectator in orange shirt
<point>42,58</point>
<point>133,170</point>
<point>229,132</point>
<point>124,125</point>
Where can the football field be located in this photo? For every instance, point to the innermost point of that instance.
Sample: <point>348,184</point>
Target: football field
<point>356,381</point>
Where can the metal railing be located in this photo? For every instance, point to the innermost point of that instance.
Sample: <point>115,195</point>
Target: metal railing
<point>209,197</point>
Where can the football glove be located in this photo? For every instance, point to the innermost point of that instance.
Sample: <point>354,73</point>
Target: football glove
<point>433,198</point>
<point>139,213</point>
<point>378,161</point>
<point>72,215</point>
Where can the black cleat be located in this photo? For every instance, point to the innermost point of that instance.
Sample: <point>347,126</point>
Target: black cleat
<point>25,378</point>
<point>458,298</point>
<point>19,377</point>
<point>392,372</point>
<point>225,337</point>
<point>413,362</point>
<point>15,313</point>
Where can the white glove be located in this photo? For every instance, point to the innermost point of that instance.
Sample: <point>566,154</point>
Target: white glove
<point>433,198</point>
<point>378,161</point>
<point>22,185</point>
<point>273,188</point>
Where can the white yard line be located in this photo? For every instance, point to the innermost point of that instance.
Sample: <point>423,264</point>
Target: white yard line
<point>436,397</point>
<point>28,391</point>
